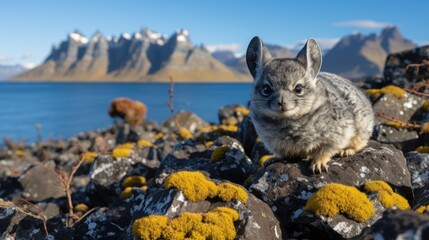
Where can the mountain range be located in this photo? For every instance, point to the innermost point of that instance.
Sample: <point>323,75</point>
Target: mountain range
<point>8,71</point>
<point>150,56</point>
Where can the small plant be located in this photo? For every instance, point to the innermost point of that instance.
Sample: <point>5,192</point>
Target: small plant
<point>35,211</point>
<point>65,181</point>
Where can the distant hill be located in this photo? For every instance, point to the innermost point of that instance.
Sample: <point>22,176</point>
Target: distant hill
<point>8,71</point>
<point>358,56</point>
<point>239,63</point>
<point>144,56</point>
<point>150,56</point>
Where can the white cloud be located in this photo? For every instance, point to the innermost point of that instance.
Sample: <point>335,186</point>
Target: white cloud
<point>234,47</point>
<point>363,24</point>
<point>6,58</point>
<point>29,65</point>
<point>324,43</point>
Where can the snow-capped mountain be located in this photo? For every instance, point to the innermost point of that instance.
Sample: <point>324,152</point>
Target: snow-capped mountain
<point>144,55</point>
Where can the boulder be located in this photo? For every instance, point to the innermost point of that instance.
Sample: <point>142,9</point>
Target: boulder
<point>398,224</point>
<point>407,67</point>
<point>286,187</point>
<point>106,174</point>
<point>39,183</point>
<point>225,159</point>
<point>256,220</point>
<point>418,165</point>
<point>232,114</point>
<point>187,120</point>
<point>247,135</point>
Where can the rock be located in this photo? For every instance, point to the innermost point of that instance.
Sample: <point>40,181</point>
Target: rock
<point>129,133</point>
<point>39,183</point>
<point>397,224</point>
<point>286,187</point>
<point>232,114</point>
<point>106,175</point>
<point>418,164</point>
<point>404,139</point>
<point>231,164</point>
<point>105,223</point>
<point>247,135</point>
<point>256,219</point>
<point>187,120</point>
<point>133,112</point>
<point>259,150</point>
<point>309,226</point>
<point>407,111</point>
<point>16,223</point>
<point>407,67</point>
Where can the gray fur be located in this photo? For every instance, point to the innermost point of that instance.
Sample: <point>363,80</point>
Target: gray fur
<point>329,116</point>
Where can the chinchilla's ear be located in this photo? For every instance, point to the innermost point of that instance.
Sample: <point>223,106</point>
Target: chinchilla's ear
<point>311,57</point>
<point>257,56</point>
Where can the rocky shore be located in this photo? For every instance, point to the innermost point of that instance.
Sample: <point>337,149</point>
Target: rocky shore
<point>189,179</point>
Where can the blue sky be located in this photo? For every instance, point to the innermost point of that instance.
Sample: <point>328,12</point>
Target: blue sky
<point>30,28</point>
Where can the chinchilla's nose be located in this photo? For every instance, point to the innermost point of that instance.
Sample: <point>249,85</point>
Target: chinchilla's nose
<point>281,100</point>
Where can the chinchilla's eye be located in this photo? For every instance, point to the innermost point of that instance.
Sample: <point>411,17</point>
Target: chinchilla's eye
<point>298,89</point>
<point>266,90</point>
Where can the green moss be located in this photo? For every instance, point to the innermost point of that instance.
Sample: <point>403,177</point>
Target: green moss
<point>334,198</point>
<point>216,224</point>
<point>219,153</point>
<point>386,196</point>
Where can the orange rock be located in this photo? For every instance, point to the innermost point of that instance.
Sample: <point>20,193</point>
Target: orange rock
<point>133,112</point>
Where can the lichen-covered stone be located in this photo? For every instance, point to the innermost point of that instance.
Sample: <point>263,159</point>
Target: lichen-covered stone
<point>286,187</point>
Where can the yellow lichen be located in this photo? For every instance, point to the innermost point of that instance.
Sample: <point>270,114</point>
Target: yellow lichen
<point>391,89</point>
<point>423,149</point>
<point>229,191</point>
<point>216,224</point>
<point>150,227</point>
<point>208,144</point>
<point>143,188</point>
<point>244,111</point>
<point>425,105</point>
<point>194,185</point>
<point>89,156</point>
<point>134,181</point>
<point>258,140</point>
<point>144,143</point>
<point>229,128</point>
<point>128,145</point>
<point>207,129</point>
<point>395,124</point>
<point>386,196</point>
<point>219,153</point>
<point>422,209</point>
<point>334,198</point>
<point>81,207</point>
<point>424,128</point>
<point>264,158</point>
<point>159,136</point>
<point>185,133</point>
<point>19,153</point>
<point>126,193</point>
<point>121,152</point>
